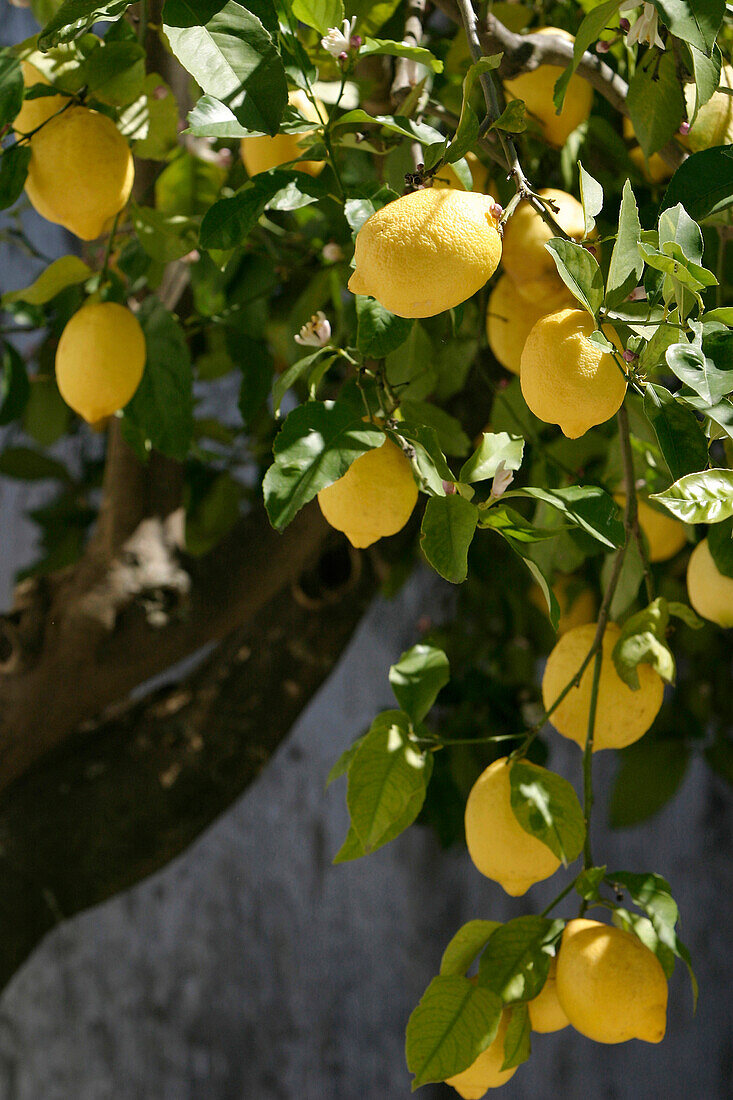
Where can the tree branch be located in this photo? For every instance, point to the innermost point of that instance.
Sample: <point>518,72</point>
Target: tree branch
<point>407,71</point>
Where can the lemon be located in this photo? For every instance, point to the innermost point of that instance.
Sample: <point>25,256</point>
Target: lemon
<point>577,603</point>
<point>81,171</point>
<point>446,176</point>
<point>486,1072</point>
<point>35,112</point>
<point>714,122</point>
<point>374,498</point>
<point>537,88</point>
<point>622,715</point>
<point>655,170</point>
<point>498,845</point>
<point>259,154</point>
<point>611,986</point>
<point>509,316</point>
<point>665,535</point>
<point>428,251</point>
<point>526,234</point>
<point>566,379</point>
<point>100,359</point>
<point>545,1011</point>
<point>710,591</point>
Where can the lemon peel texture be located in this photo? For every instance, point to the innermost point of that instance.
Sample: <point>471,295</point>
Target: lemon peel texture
<point>35,112</point>
<point>510,317</point>
<point>259,154</point>
<point>100,359</point>
<point>526,234</point>
<point>546,1014</point>
<point>486,1072</point>
<point>537,88</point>
<point>709,590</point>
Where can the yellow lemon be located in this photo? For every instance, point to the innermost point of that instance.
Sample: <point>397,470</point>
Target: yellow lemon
<point>710,591</point>
<point>259,154</point>
<point>622,715</point>
<point>374,498</point>
<point>497,844</point>
<point>610,985</point>
<point>510,317</point>
<point>100,359</point>
<point>714,122</point>
<point>537,88</point>
<point>665,535</point>
<point>428,251</point>
<point>486,1072</point>
<point>35,112</point>
<point>545,1011</point>
<point>655,170</point>
<point>566,379</point>
<point>577,603</point>
<point>81,171</point>
<point>526,234</point>
<point>447,177</point>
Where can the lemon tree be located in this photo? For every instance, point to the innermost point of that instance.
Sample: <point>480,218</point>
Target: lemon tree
<point>347,293</point>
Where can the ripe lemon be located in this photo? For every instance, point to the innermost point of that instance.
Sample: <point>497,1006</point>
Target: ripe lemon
<point>714,122</point>
<point>665,535</point>
<point>447,177</point>
<point>486,1072</point>
<point>100,359</point>
<point>611,986</point>
<point>622,715</point>
<point>374,498</point>
<point>710,592</point>
<point>526,234</point>
<point>577,603</point>
<point>259,154</point>
<point>537,87</point>
<point>545,1011</point>
<point>566,379</point>
<point>35,112</point>
<point>81,171</point>
<point>655,170</point>
<point>428,251</point>
<point>510,317</point>
<point>498,845</point>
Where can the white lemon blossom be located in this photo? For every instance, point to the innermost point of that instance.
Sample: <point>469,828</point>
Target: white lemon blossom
<point>316,333</point>
<point>338,41</point>
<point>646,27</point>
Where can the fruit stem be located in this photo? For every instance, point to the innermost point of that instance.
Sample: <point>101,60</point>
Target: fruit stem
<point>588,758</point>
<point>563,894</point>
<point>631,515</point>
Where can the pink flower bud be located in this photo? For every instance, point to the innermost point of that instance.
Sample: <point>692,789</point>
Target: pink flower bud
<point>343,57</point>
<point>629,356</point>
<point>355,42</point>
<point>684,128</point>
<point>638,294</point>
<point>496,210</point>
<point>624,24</point>
<point>602,47</point>
<point>449,488</point>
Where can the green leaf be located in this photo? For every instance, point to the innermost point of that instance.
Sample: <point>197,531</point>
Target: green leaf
<point>370,16</point>
<point>694,21</point>
<point>317,444</point>
<point>494,448</point>
<point>352,847</point>
<point>516,960</point>
<point>13,171</point>
<point>14,386</point>
<point>579,271</point>
<point>517,1040</point>
<point>62,273</point>
<point>587,506</point>
<point>676,225</point>
<point>655,101</point>
<point>627,266</point>
<point>466,133</point>
<point>720,544</point>
<point>26,464</point>
<point>152,122</point>
<point>395,124</point>
<point>703,183</point>
<point>229,222</point>
<point>379,332</point>
<point>75,17</point>
<point>319,14</point>
<point>232,57</point>
<point>591,196</point>
<point>513,526</point>
<point>589,881</point>
<point>540,578</point>
<point>453,1023</point>
<point>699,372</point>
<point>466,944</point>
<point>588,33</point>
<point>417,678</point>
<point>680,437</point>
<point>643,641</point>
<point>686,614</point>
<point>11,88</point>
<point>428,461</point>
<point>547,807</point>
<point>513,119</point>
<point>160,415</point>
<point>343,763</point>
<point>706,71</point>
<point>115,74</point>
<point>164,237</point>
<point>188,186</point>
<point>211,118</point>
<point>387,775</point>
<point>288,378</point>
<point>650,775</point>
<point>212,515</point>
<point>451,436</point>
<point>705,497</point>
<point>372,47</point>
<point>448,527</point>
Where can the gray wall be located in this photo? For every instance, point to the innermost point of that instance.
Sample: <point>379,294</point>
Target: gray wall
<point>252,969</point>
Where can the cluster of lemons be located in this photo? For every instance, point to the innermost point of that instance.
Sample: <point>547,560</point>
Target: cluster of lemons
<point>80,176</point>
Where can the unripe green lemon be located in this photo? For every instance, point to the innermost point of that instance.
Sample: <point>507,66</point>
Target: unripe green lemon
<point>374,498</point>
<point>427,251</point>
<point>100,359</point>
<point>486,1072</point>
<point>546,1014</point>
<point>610,985</point>
<point>498,845</point>
<point>622,715</point>
<point>81,171</point>
<point>537,88</point>
<point>259,154</point>
<point>710,591</point>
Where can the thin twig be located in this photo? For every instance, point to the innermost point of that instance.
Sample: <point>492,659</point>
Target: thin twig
<point>407,71</point>
<point>632,513</point>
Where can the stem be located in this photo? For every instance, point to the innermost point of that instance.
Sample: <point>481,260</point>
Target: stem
<point>108,248</point>
<point>563,894</point>
<point>142,28</point>
<point>443,741</point>
<point>631,516</point>
<point>588,758</point>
